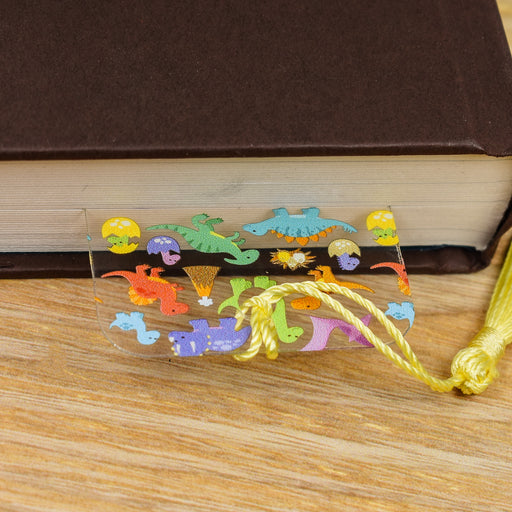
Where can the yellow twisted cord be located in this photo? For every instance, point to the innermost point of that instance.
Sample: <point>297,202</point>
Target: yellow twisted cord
<point>261,326</point>
<point>473,368</point>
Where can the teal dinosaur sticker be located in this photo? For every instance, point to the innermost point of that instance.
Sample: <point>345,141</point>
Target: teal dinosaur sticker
<point>205,239</point>
<point>303,227</point>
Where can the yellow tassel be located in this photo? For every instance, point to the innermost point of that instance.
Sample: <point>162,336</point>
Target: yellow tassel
<point>473,368</point>
<point>476,364</point>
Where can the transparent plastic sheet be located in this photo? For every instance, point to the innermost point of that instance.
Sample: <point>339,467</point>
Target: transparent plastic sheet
<point>162,290</point>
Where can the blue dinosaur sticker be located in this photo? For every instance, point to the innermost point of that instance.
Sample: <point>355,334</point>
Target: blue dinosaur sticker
<point>303,227</point>
<point>135,321</point>
<point>402,311</point>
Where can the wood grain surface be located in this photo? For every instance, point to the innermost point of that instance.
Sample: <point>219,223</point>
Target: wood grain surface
<point>85,427</point>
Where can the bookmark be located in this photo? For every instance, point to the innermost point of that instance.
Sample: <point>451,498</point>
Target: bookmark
<point>147,299</point>
<point>167,288</point>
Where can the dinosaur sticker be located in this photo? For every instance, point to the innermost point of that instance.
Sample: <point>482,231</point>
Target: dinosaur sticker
<point>302,228</point>
<point>324,274</point>
<point>238,285</point>
<point>146,289</point>
<point>135,321</point>
<point>203,338</point>
<point>285,333</point>
<point>205,239</point>
<point>347,262</point>
<point>402,311</point>
<point>323,327</point>
<point>306,303</point>
<point>399,268</point>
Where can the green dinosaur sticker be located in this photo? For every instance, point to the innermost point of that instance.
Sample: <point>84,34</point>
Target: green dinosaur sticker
<point>204,239</point>
<point>238,284</point>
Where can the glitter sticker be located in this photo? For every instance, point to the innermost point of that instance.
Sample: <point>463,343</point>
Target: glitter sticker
<point>204,239</point>
<point>202,277</point>
<point>403,311</point>
<point>382,224</point>
<point>238,286</point>
<point>284,333</point>
<point>146,289</point>
<point>291,259</point>
<point>302,228</point>
<point>135,321</point>
<point>119,231</point>
<point>324,274</point>
<point>167,247</point>
<point>399,268</point>
<point>323,328</point>
<point>223,338</point>
<point>343,250</point>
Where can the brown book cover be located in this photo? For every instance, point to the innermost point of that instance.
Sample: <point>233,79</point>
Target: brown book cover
<point>171,79</point>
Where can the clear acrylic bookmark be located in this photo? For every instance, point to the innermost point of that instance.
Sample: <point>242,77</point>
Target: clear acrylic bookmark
<point>173,284</point>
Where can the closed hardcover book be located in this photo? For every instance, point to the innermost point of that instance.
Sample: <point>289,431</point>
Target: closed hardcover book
<point>162,111</point>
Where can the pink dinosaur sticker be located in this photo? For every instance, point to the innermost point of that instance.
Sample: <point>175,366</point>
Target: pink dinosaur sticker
<point>323,328</point>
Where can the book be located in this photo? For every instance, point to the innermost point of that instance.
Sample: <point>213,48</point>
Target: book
<point>136,109</point>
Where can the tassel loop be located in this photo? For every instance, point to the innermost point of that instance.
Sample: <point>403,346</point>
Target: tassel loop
<point>262,326</point>
<point>475,367</point>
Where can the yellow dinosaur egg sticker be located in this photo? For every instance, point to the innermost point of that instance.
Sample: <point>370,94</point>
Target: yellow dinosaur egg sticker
<point>343,246</point>
<point>343,249</point>
<point>382,224</point>
<point>118,231</point>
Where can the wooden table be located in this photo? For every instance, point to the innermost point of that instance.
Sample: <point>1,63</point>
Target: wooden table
<point>84,427</point>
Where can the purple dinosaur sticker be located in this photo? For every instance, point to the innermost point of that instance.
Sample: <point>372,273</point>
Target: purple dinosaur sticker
<point>347,262</point>
<point>223,338</point>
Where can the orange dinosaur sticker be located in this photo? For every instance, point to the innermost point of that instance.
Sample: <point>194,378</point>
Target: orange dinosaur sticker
<point>146,289</point>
